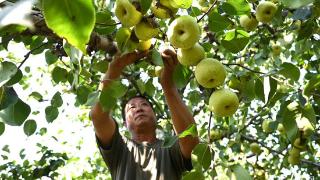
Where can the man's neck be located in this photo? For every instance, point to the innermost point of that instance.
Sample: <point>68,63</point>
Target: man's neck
<point>150,138</point>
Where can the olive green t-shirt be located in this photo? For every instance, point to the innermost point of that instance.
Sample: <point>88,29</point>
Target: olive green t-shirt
<point>128,160</point>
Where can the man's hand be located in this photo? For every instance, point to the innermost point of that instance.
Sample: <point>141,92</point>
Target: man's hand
<point>170,62</point>
<point>120,62</point>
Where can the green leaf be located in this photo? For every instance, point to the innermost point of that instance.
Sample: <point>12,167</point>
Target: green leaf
<point>117,89</point>
<point>15,114</point>
<point>106,100</point>
<point>236,7</point>
<point>313,84</point>
<point>50,58</point>
<point>194,174</point>
<point>145,5</point>
<point>141,86</point>
<point>93,98</point>
<point>36,95</point>
<point>217,22</point>
<point>156,58</point>
<point>72,20</point>
<point>169,141</point>
<point>235,40</point>
<point>308,112</point>
<point>59,74</point>
<point>7,71</point>
<point>306,30</point>
<point>249,89</point>
<point>273,87</point>
<point>103,16</point>
<point>287,118</point>
<point>289,70</point>
<point>259,90</point>
<point>56,100</point>
<point>240,173</point>
<point>100,66</point>
<point>122,37</point>
<point>201,155</point>
<point>2,128</point>
<point>150,89</point>
<point>29,127</point>
<point>181,75</point>
<point>294,4</point>
<point>82,94</point>
<point>8,96</point>
<point>15,79</point>
<point>191,130</point>
<point>185,4</point>
<point>51,113</point>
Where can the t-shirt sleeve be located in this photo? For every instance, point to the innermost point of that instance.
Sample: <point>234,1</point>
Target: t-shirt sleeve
<point>112,153</point>
<point>181,163</point>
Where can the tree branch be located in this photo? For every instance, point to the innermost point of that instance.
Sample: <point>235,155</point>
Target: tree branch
<point>96,42</point>
<point>235,64</point>
<point>28,54</point>
<point>207,11</point>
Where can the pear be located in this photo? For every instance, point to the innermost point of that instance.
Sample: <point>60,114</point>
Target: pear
<point>184,32</point>
<point>223,102</point>
<point>249,23</point>
<point>191,56</point>
<point>127,13</point>
<point>145,31</point>
<point>210,73</point>
<point>265,11</point>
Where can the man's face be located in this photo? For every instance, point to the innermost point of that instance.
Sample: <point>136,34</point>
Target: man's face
<point>139,115</point>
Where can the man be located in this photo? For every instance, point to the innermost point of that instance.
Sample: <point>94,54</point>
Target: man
<point>142,157</point>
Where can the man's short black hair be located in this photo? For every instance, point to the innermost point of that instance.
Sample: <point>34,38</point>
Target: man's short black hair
<point>124,103</point>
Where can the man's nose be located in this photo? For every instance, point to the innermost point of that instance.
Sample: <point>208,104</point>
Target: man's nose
<point>139,108</point>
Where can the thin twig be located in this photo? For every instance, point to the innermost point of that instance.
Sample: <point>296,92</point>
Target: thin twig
<point>236,64</point>
<point>207,11</point>
<point>209,139</point>
<point>28,54</point>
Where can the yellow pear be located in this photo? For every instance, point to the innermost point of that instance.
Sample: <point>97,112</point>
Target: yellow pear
<point>223,102</point>
<point>127,14</point>
<point>191,56</point>
<point>210,73</point>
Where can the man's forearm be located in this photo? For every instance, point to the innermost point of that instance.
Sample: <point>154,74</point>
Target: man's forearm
<point>181,116</point>
<point>181,119</point>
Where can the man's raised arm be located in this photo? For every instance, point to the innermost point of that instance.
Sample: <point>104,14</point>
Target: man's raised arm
<point>102,121</point>
<point>181,116</point>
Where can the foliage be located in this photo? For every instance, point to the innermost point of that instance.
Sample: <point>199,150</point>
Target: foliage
<point>79,38</point>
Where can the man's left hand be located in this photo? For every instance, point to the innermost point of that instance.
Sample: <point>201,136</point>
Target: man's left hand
<point>170,62</point>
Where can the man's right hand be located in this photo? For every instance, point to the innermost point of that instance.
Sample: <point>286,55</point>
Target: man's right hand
<point>120,62</point>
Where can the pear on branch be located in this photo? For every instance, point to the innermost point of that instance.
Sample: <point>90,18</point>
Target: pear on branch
<point>249,23</point>
<point>184,32</point>
<point>223,102</point>
<point>146,30</point>
<point>210,73</point>
<point>265,11</point>
<point>127,13</point>
<point>191,56</point>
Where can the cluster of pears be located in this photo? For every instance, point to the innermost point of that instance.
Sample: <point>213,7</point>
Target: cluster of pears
<point>184,34</point>
<point>265,12</point>
<point>144,28</point>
